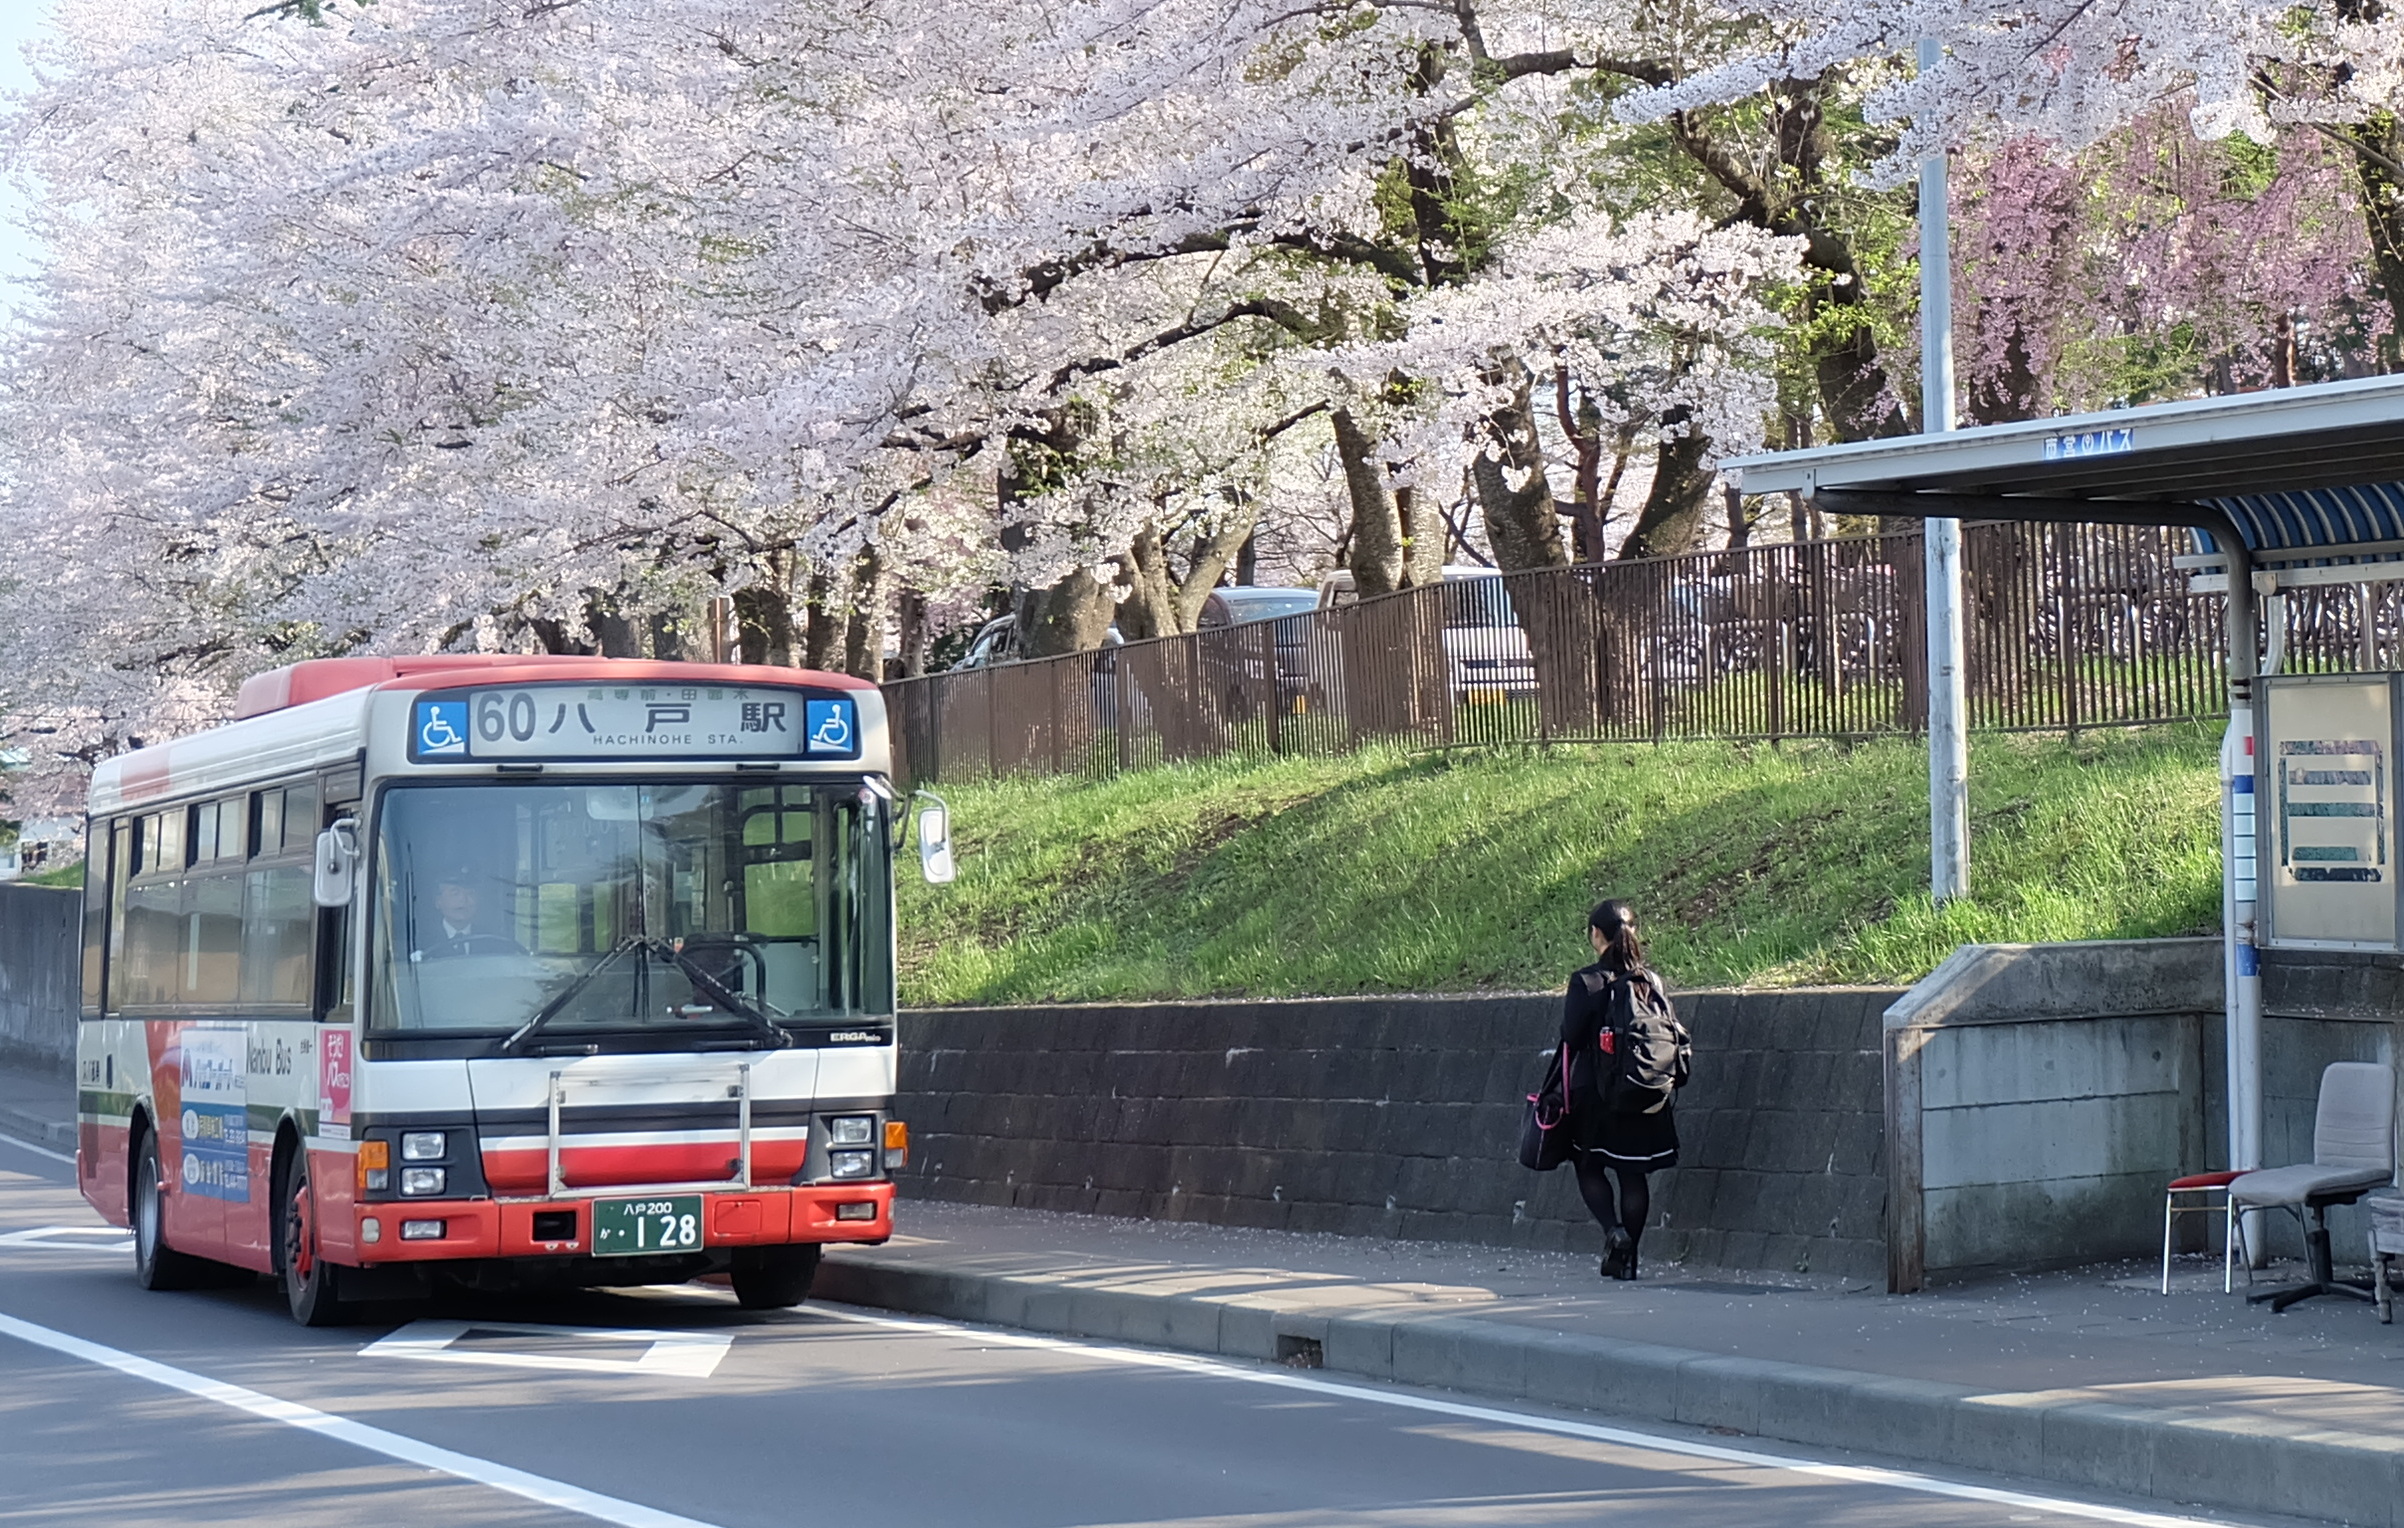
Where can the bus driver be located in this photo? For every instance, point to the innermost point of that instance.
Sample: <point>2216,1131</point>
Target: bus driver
<point>456,906</point>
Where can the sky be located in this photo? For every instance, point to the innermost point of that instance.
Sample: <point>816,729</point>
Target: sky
<point>20,22</point>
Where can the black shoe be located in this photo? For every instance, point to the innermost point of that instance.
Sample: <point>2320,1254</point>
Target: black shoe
<point>1626,1271</point>
<point>1618,1251</point>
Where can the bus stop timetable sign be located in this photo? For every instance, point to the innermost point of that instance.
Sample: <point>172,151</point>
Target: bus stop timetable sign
<point>2325,794</point>
<point>588,721</point>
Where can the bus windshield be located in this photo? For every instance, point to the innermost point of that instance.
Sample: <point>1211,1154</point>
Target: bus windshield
<point>658,907</point>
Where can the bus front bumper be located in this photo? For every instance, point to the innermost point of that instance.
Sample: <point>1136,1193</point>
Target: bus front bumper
<point>443,1230</point>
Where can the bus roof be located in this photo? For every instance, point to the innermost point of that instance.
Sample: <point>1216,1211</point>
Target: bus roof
<point>315,713</point>
<point>320,678</point>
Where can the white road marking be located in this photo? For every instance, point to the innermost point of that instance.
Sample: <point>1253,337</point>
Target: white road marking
<point>1626,1437</point>
<point>39,1151</point>
<point>685,1355</point>
<point>70,1238</point>
<point>392,1445</point>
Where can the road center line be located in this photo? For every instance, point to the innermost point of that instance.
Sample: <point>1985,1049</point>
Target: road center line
<point>392,1445</point>
<point>39,1151</point>
<point>1855,1474</point>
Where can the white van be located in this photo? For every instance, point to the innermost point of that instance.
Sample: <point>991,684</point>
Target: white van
<point>1485,647</point>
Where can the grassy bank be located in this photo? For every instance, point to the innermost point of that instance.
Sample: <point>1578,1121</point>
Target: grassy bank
<point>1387,872</point>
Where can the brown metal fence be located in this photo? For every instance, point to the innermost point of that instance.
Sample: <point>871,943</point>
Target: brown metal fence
<point>2069,627</point>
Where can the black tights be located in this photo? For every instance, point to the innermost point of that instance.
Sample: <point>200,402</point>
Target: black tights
<point>1635,1196</point>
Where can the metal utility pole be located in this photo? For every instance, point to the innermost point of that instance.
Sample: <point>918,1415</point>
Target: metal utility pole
<point>1948,687</point>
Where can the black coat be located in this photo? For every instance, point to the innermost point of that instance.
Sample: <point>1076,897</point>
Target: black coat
<point>1645,1142</point>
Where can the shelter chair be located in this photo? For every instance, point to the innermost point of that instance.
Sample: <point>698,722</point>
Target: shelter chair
<point>2353,1152</point>
<point>2232,1236</point>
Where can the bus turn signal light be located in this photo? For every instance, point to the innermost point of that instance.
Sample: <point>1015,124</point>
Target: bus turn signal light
<point>375,1166</point>
<point>897,1144</point>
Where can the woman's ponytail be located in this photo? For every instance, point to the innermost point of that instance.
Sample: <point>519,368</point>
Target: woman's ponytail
<point>1615,920</point>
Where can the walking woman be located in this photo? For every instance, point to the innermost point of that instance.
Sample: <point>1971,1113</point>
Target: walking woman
<point>1628,1056</point>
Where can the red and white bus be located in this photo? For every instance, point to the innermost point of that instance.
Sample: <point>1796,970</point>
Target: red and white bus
<point>499,971</point>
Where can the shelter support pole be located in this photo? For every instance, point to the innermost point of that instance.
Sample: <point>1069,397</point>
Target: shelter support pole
<point>2241,970</point>
<point>1941,543</point>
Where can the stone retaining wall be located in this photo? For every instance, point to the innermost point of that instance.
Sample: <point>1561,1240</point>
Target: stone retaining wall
<point>39,939</point>
<point>1399,1117</point>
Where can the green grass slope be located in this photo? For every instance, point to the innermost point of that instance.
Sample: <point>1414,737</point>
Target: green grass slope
<point>1389,872</point>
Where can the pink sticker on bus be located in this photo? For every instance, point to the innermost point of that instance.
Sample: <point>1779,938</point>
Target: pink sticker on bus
<point>334,1078</point>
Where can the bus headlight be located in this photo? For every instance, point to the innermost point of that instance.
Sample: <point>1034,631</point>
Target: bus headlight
<point>851,1164</point>
<point>851,1130</point>
<point>421,1146</point>
<point>418,1182</point>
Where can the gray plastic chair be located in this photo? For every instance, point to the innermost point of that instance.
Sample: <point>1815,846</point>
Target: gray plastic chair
<point>2353,1152</point>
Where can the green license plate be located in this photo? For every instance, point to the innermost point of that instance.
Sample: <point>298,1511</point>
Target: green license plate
<point>640,1227</point>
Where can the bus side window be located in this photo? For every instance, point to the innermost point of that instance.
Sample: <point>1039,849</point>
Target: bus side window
<point>125,852</point>
<point>99,858</point>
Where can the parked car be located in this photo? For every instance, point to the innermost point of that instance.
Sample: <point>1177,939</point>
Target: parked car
<point>997,642</point>
<point>1235,664</point>
<point>1485,647</point>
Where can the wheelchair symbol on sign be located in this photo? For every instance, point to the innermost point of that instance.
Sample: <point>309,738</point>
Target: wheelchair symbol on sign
<point>442,729</point>
<point>834,732</point>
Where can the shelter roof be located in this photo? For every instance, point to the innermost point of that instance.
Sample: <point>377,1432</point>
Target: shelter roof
<point>2302,467</point>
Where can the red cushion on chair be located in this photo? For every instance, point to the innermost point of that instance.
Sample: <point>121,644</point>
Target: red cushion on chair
<point>2205,1180</point>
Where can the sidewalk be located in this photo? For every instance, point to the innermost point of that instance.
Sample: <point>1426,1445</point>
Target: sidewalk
<point>38,1107</point>
<point>2090,1378</point>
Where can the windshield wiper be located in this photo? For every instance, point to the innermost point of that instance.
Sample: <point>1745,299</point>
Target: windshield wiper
<point>725,996</point>
<point>703,982</point>
<point>567,994</point>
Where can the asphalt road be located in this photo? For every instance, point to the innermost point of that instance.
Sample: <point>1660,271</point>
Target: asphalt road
<point>671,1408</point>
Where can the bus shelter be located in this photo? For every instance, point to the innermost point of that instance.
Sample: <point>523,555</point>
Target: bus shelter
<point>2283,490</point>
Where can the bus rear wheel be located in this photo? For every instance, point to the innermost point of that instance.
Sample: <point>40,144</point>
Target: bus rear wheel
<point>772,1278</point>
<point>157,1265</point>
<point>312,1285</point>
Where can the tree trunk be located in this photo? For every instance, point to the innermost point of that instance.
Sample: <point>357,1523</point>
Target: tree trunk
<point>613,633</point>
<point>864,633</point>
<point>1150,608</point>
<point>764,623</point>
<point>916,634</point>
<point>2379,143</point>
<point>1214,550</point>
<point>1672,517</point>
<point>667,638</point>
<point>1071,616</point>
<point>1424,537</point>
<point>822,625</point>
<point>1519,515</point>
<point>1376,560</point>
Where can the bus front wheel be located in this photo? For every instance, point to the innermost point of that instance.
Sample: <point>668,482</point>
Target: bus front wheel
<point>771,1278</point>
<point>311,1284</point>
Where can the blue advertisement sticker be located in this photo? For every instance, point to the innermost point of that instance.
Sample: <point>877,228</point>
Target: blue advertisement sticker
<point>216,1118</point>
<point>440,730</point>
<point>831,726</point>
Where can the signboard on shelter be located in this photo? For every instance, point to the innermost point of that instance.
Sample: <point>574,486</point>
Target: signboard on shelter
<point>2325,792</point>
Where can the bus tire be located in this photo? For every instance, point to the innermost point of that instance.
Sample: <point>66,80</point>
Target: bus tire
<point>772,1278</point>
<point>312,1286</point>
<point>157,1265</point>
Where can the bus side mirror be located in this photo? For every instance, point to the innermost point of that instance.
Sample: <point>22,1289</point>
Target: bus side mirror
<point>935,841</point>
<point>337,863</point>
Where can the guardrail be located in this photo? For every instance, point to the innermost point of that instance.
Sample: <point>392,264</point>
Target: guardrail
<point>2069,627</point>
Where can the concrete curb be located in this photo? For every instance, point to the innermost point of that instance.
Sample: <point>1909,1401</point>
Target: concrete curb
<point>2189,1456</point>
<point>32,1127</point>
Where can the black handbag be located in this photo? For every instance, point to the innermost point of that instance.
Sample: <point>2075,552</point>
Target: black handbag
<point>1544,1129</point>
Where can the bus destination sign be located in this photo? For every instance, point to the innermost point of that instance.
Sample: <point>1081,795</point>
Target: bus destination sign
<point>641,721</point>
